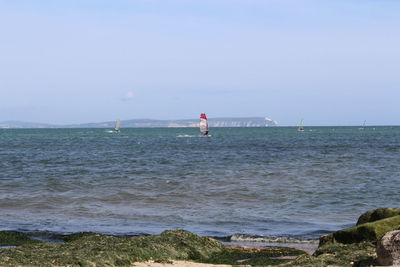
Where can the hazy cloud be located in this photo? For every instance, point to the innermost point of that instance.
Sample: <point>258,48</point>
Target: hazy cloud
<point>128,96</point>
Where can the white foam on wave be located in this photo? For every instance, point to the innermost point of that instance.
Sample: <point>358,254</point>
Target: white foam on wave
<point>270,239</point>
<point>192,136</point>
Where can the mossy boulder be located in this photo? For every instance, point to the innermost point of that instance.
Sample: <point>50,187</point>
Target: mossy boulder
<point>355,255</point>
<point>10,238</point>
<point>369,232</point>
<point>355,246</point>
<point>377,214</point>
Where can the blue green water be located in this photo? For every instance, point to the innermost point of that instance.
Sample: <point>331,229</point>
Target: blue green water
<point>255,181</point>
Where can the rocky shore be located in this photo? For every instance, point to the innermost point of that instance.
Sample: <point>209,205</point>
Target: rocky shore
<point>355,246</point>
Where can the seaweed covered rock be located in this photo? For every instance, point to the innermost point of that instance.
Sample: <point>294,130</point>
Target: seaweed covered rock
<point>92,249</point>
<point>10,238</point>
<point>377,214</point>
<point>356,246</point>
<point>359,254</point>
<point>370,232</point>
<point>97,249</point>
<point>190,246</point>
<point>388,249</point>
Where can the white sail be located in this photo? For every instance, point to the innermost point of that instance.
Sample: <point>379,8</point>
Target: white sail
<point>203,124</point>
<point>363,126</point>
<point>300,127</point>
<point>117,125</point>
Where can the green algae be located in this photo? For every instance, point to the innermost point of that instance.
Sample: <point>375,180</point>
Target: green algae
<point>371,232</point>
<point>353,246</point>
<point>92,249</point>
<point>254,256</point>
<point>377,214</point>
<point>10,238</point>
<point>357,255</point>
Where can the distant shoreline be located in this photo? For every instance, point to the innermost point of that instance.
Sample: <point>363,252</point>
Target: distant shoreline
<point>151,123</point>
<point>220,122</point>
<point>2,126</point>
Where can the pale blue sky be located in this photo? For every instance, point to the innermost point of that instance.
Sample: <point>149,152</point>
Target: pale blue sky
<point>329,62</point>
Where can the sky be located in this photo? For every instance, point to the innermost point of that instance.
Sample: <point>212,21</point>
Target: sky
<point>75,61</point>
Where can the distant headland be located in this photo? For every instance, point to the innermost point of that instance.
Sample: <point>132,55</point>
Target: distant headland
<point>150,123</point>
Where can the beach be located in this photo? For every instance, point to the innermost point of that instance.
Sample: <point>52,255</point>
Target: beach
<point>354,246</point>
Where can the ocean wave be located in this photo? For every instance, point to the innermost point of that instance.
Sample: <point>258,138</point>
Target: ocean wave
<point>192,135</point>
<point>270,239</point>
<point>189,136</point>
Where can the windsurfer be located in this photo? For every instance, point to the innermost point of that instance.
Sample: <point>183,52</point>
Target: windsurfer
<point>203,124</point>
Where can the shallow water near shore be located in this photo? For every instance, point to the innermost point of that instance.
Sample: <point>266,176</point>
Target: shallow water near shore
<point>258,182</point>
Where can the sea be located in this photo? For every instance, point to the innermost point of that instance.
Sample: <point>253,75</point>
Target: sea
<point>259,184</point>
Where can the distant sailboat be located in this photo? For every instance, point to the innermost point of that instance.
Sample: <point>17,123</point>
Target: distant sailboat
<point>363,126</point>
<point>300,127</point>
<point>117,126</point>
<point>203,124</point>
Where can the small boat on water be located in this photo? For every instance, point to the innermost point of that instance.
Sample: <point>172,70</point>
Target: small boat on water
<point>363,126</point>
<point>117,126</point>
<point>203,124</point>
<point>300,127</point>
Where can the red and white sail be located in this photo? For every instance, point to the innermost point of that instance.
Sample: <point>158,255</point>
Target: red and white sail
<point>203,124</point>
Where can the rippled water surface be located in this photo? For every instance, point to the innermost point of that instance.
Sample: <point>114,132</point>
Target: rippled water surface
<point>256,181</point>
